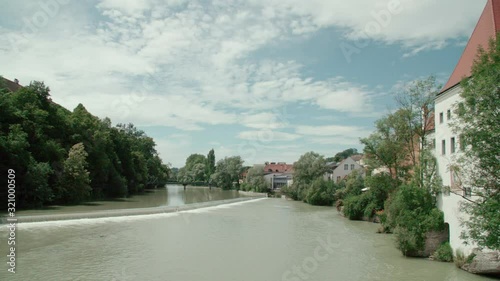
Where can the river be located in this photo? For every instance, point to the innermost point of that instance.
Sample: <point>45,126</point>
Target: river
<point>261,239</point>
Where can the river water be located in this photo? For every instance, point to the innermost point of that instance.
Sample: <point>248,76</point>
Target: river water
<point>262,239</point>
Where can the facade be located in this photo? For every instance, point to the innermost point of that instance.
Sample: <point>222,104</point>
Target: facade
<point>278,174</point>
<point>279,180</point>
<point>448,143</point>
<point>344,168</point>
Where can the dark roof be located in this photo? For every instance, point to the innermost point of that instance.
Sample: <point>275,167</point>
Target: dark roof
<point>486,28</point>
<point>11,85</point>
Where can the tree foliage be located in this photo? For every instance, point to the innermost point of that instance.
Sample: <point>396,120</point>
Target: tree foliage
<point>255,180</point>
<point>38,139</point>
<point>308,182</point>
<point>227,172</point>
<point>479,127</point>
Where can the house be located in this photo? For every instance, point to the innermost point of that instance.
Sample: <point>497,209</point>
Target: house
<point>279,180</point>
<point>11,86</point>
<point>278,174</point>
<point>345,168</point>
<point>447,143</point>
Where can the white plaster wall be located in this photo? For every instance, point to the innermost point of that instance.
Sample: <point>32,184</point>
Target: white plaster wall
<point>340,172</point>
<point>449,203</point>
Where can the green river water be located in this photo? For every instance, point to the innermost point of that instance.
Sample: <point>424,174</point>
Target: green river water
<point>256,240</point>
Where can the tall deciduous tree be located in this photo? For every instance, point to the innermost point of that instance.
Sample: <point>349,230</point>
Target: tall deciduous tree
<point>227,172</point>
<point>210,163</point>
<point>479,126</point>
<point>310,167</point>
<point>75,181</point>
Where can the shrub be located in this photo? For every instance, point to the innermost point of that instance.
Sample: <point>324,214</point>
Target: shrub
<point>321,193</point>
<point>444,253</point>
<point>412,213</point>
<point>355,206</point>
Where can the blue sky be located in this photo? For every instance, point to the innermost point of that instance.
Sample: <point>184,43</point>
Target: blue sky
<point>264,79</point>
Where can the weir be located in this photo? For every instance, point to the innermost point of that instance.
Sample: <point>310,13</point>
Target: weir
<point>126,212</point>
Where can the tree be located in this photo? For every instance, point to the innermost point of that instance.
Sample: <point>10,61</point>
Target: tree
<point>210,163</point>
<point>308,168</point>
<point>383,148</point>
<point>227,172</point>
<point>479,127</point>
<point>255,179</point>
<point>75,181</point>
<point>342,155</point>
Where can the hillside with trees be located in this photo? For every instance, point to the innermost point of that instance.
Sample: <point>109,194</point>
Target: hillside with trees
<point>61,156</point>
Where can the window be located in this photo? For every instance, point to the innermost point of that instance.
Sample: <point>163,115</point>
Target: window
<point>443,147</point>
<point>452,145</point>
<point>346,167</point>
<point>448,114</point>
<point>352,166</point>
<point>434,143</point>
<point>338,179</point>
<point>441,118</point>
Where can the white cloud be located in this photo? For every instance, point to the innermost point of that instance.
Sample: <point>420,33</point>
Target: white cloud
<point>332,130</point>
<point>265,136</point>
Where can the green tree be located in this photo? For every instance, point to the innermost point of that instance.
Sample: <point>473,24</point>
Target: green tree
<point>75,181</point>
<point>308,168</point>
<point>210,165</point>
<point>479,127</point>
<point>342,155</point>
<point>227,172</point>
<point>255,179</point>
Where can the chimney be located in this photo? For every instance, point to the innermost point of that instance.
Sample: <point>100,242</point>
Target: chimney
<point>16,81</point>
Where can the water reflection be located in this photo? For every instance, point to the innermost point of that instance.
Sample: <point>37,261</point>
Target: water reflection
<point>177,196</point>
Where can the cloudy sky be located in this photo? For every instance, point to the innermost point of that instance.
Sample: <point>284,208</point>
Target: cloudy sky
<point>265,79</point>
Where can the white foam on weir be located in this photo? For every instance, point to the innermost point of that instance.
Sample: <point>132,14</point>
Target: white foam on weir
<point>125,218</point>
<point>222,206</point>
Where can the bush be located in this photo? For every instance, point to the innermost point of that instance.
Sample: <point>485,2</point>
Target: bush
<point>321,193</point>
<point>444,253</point>
<point>412,213</point>
<point>355,206</point>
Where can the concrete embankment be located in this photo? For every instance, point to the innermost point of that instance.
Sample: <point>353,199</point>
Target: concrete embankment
<point>126,212</point>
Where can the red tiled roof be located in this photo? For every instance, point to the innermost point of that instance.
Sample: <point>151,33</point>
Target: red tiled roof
<point>487,27</point>
<point>278,168</point>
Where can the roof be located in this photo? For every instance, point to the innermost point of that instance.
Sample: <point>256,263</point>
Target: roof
<point>429,123</point>
<point>486,28</point>
<point>278,168</point>
<point>11,85</point>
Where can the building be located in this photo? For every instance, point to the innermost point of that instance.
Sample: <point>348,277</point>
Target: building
<point>447,143</point>
<point>344,168</point>
<point>278,174</point>
<point>279,180</point>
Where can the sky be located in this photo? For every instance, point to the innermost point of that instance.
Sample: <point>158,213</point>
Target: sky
<point>268,80</point>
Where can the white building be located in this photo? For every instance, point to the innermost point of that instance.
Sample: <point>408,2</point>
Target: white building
<point>344,168</point>
<point>447,143</point>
